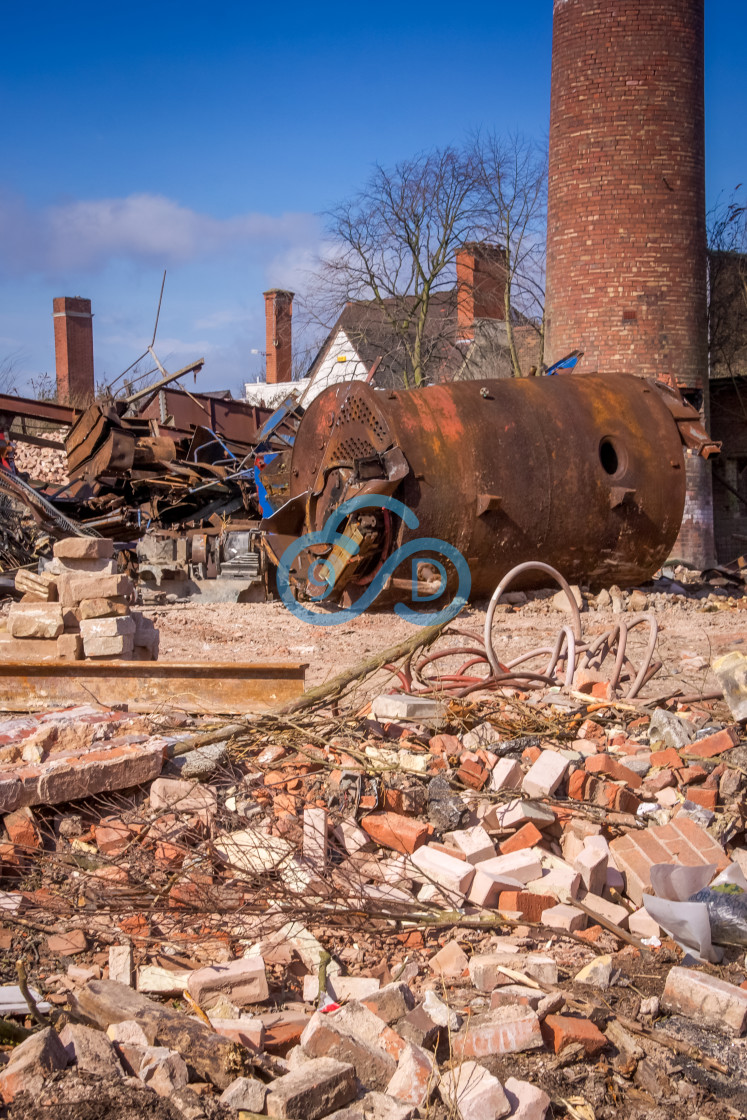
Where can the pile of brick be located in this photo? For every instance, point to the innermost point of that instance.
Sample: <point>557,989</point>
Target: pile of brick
<point>78,607</point>
<point>494,884</point>
<point>43,464</point>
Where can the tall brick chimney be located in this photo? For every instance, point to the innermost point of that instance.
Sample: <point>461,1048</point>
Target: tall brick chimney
<point>481,285</point>
<point>626,235</point>
<point>73,347</point>
<point>278,312</point>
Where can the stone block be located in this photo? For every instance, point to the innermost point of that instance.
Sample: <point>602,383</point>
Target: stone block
<point>182,797</point>
<point>472,1093</point>
<point>119,646</point>
<point>527,1101</point>
<point>449,962</point>
<point>121,626</point>
<point>91,1051</point>
<point>103,608</point>
<point>120,964</point>
<point>313,1091</point>
<point>247,1094</point>
<point>242,981</point>
<point>391,1002</point>
<point>35,620</point>
<point>163,1070</point>
<point>414,1079</point>
<point>70,647</point>
<point>84,548</point>
<point>31,1063</point>
<point>712,1003</point>
<point>74,588</point>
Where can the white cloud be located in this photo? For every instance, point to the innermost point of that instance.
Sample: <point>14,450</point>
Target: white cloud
<point>83,236</point>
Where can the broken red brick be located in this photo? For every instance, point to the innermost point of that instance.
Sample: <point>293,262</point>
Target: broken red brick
<point>529,905</point>
<point>603,764</point>
<point>692,775</point>
<point>447,745</point>
<point>526,837</point>
<point>560,1031</point>
<point>22,829</point>
<point>706,798</point>
<point>67,944</point>
<point>667,758</point>
<point>714,744</point>
<point>591,730</point>
<point>577,784</point>
<point>473,774</point>
<point>391,830</point>
<point>112,836</point>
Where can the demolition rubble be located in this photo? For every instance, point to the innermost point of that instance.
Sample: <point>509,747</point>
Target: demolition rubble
<point>397,895</point>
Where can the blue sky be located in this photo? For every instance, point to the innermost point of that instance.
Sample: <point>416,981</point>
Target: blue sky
<point>206,139</point>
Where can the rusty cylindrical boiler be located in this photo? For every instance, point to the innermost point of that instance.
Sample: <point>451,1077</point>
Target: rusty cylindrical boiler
<point>585,472</point>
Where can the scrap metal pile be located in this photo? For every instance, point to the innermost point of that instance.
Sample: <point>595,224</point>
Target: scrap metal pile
<point>585,471</point>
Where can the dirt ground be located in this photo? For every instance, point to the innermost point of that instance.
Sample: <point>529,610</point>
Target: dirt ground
<point>691,632</point>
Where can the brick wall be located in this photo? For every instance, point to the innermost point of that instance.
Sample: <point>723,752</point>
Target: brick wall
<point>626,242</point>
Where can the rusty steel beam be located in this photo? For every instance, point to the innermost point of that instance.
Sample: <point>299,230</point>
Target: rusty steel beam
<point>11,407</point>
<point>585,472</point>
<point>213,688</point>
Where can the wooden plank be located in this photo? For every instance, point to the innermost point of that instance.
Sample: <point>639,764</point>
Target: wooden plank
<point>213,688</point>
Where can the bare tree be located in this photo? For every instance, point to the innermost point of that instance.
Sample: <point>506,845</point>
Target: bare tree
<point>394,245</point>
<point>511,175</point>
<point>727,286</point>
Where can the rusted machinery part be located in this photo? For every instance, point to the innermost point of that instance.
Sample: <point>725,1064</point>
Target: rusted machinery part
<point>585,470</point>
<point>567,656</point>
<point>508,579</point>
<point>42,509</point>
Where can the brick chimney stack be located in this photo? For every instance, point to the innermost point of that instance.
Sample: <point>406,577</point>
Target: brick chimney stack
<point>73,346</point>
<point>278,312</point>
<point>626,224</point>
<point>481,285</point>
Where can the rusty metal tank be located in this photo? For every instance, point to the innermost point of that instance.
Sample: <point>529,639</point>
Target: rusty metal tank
<point>585,472</point>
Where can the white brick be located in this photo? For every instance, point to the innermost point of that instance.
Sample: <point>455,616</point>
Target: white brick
<point>474,1093</point>
<point>591,863</point>
<point>454,875</point>
<point>506,774</point>
<point>474,843</point>
<point>545,775</point>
